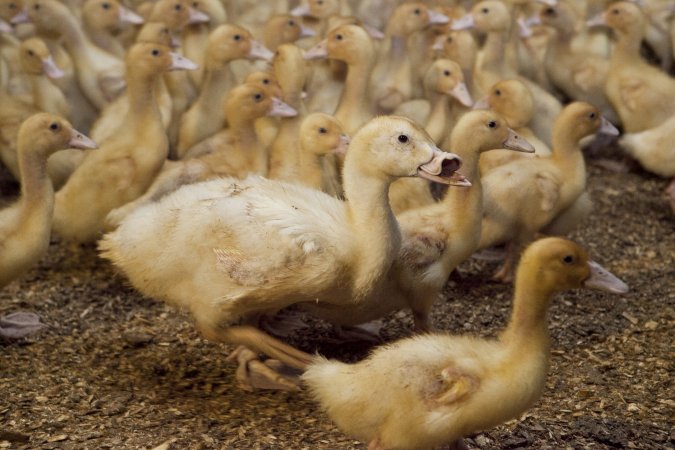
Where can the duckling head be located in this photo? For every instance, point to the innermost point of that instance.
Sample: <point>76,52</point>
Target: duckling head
<point>148,59</point>
<point>445,77</point>
<point>264,80</point>
<point>109,15</point>
<point>229,42</point>
<point>322,134</point>
<point>285,28</point>
<point>46,133</point>
<point>625,18</point>
<point>487,16</point>
<point>46,15</point>
<point>247,102</point>
<point>561,264</point>
<point>318,9</point>
<point>580,119</point>
<point>349,43</point>
<point>177,14</point>
<point>411,17</point>
<point>35,59</point>
<point>9,9</point>
<point>490,131</point>
<point>392,146</point>
<point>512,99</point>
<point>560,16</point>
<point>157,33</point>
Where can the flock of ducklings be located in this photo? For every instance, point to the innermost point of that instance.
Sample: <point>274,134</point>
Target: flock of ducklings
<point>254,156</point>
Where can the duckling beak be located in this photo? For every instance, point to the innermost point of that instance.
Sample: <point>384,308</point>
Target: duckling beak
<point>443,169</point>
<point>300,11</point>
<point>175,42</point>
<point>524,29</point>
<point>438,43</point>
<point>259,51</point>
<point>461,93</point>
<point>463,23</point>
<point>437,18</point>
<point>343,145</point>
<point>606,127</point>
<point>21,16</point>
<point>483,103</point>
<point>548,2</point>
<point>79,140</point>
<point>373,32</point>
<point>306,32</point>
<point>128,16</point>
<point>5,27</point>
<point>179,62</point>
<point>51,69</point>
<point>197,16</point>
<point>281,109</point>
<point>517,143</point>
<point>319,51</point>
<point>597,21</point>
<point>604,280</point>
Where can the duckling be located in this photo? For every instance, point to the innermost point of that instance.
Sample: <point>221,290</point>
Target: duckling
<point>25,226</point>
<point>127,163</point>
<point>461,47</point>
<point>236,151</point>
<point>206,116</point>
<point>316,248</point>
<point>578,73</point>
<point>512,100</point>
<point>37,63</point>
<point>493,18</point>
<point>434,389</point>
<point>392,77</point>
<point>353,45</point>
<point>524,196</point>
<point>13,112</point>
<point>320,135</point>
<point>99,73</point>
<point>642,95</point>
<point>284,29</point>
<point>195,36</point>
<point>104,19</point>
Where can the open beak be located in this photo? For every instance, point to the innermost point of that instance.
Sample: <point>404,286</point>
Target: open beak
<point>5,27</point>
<point>461,93</point>
<point>342,146</point>
<point>79,140</point>
<point>373,32</point>
<point>516,143</point>
<point>259,51</point>
<point>281,109</point>
<point>21,16</point>
<point>443,169</point>
<point>51,69</point>
<point>306,32</point>
<point>128,16</point>
<point>606,127</point>
<point>437,18</point>
<point>180,62</point>
<point>319,51</point>
<point>604,280</point>
<point>463,23</point>
<point>197,16</point>
<point>300,11</point>
<point>597,21</point>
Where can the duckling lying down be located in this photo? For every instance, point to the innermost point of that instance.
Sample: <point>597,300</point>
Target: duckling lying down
<point>434,389</point>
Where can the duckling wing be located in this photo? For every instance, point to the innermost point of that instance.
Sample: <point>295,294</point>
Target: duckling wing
<point>589,76</point>
<point>548,187</point>
<point>457,385</point>
<point>111,85</point>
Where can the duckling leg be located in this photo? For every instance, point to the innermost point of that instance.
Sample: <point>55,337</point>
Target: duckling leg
<point>670,191</point>
<point>19,324</point>
<point>359,333</point>
<point>505,273</point>
<point>375,445</point>
<point>253,373</point>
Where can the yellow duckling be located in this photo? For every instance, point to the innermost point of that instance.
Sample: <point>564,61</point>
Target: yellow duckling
<point>104,19</point>
<point>195,36</point>
<point>25,226</point>
<point>434,389</point>
<point>127,163</point>
<point>524,196</point>
<point>284,29</point>
<point>258,245</point>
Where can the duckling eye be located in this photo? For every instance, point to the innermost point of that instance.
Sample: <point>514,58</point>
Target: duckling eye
<point>155,52</point>
<point>446,73</point>
<point>30,52</point>
<point>319,2</point>
<point>195,4</point>
<point>591,115</point>
<point>322,130</point>
<point>403,139</point>
<point>178,7</point>
<point>291,23</point>
<point>492,124</point>
<point>105,6</point>
<point>549,11</point>
<point>257,97</point>
<point>12,6</point>
<point>266,81</point>
<point>237,37</point>
<point>615,12</point>
<point>54,126</point>
<point>417,11</point>
<point>449,39</point>
<point>498,93</point>
<point>36,7</point>
<point>485,10</point>
<point>569,259</point>
<point>338,37</point>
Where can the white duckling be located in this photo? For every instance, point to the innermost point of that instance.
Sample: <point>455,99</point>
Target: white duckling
<point>434,389</point>
<point>524,196</point>
<point>263,245</point>
<point>25,226</point>
<point>127,163</point>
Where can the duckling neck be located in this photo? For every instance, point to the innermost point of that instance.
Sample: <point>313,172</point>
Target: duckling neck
<point>494,50</point>
<point>310,168</point>
<point>36,189</point>
<point>217,82</point>
<point>141,90</point>
<point>528,322</point>
<point>374,226</point>
<point>565,145</point>
<point>41,87</point>
<point>465,204</point>
<point>355,93</point>
<point>627,48</point>
<point>437,122</point>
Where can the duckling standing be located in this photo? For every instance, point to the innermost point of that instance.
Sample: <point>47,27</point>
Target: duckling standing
<point>257,245</point>
<point>25,226</point>
<point>434,389</point>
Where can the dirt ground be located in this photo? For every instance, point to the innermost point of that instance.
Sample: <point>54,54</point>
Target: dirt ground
<point>114,370</point>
